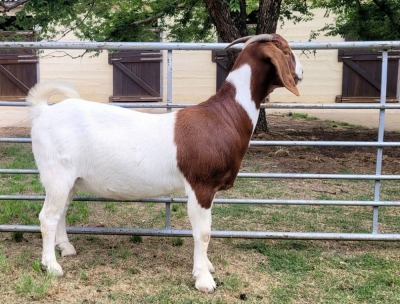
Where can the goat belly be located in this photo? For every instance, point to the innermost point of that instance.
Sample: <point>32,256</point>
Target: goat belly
<point>111,152</point>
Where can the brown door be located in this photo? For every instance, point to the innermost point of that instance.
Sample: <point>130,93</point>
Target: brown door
<point>361,80</point>
<point>136,76</point>
<point>18,71</point>
<point>221,59</point>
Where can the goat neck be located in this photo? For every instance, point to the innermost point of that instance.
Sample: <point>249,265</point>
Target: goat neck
<point>254,73</point>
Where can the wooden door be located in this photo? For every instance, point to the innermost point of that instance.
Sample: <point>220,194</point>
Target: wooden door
<point>221,59</point>
<point>361,80</point>
<point>136,76</point>
<point>18,71</point>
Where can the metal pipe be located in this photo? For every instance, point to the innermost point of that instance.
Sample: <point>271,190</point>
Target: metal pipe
<point>273,143</point>
<point>343,106</point>
<point>379,151</point>
<point>15,140</point>
<point>163,105</point>
<point>224,201</point>
<point>323,143</point>
<point>378,45</point>
<point>320,176</point>
<point>265,175</point>
<point>169,103</point>
<point>214,233</point>
<point>19,171</point>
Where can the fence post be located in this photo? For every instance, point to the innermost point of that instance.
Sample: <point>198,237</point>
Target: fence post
<point>379,150</point>
<point>169,102</point>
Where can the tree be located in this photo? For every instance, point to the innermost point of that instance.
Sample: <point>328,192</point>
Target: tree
<point>362,19</point>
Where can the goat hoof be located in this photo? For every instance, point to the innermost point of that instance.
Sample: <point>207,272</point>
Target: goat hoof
<point>205,283</point>
<point>210,267</point>
<point>67,250</point>
<point>53,269</point>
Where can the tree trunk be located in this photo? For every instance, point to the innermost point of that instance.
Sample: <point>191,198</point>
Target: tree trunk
<point>221,16</point>
<point>268,14</point>
<point>232,25</point>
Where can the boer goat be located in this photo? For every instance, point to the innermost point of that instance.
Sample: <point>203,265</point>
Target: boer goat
<point>124,155</point>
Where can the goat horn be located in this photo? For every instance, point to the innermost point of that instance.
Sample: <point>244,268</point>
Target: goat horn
<point>250,39</point>
<point>262,37</point>
<point>239,40</point>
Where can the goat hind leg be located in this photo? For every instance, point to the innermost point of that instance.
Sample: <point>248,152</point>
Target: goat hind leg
<point>49,217</point>
<point>62,241</point>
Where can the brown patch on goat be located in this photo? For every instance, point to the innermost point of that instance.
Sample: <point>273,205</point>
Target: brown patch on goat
<point>211,140</point>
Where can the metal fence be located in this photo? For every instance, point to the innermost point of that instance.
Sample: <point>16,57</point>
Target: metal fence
<point>380,144</point>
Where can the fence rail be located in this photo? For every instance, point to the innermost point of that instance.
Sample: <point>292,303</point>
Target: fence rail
<point>385,46</point>
<point>174,46</point>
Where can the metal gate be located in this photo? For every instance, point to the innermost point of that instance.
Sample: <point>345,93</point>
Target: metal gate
<point>382,107</point>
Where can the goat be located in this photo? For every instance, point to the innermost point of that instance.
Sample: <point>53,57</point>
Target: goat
<point>124,155</point>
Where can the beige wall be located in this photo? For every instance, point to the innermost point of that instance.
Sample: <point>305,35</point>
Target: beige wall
<point>193,76</point>
<point>91,75</point>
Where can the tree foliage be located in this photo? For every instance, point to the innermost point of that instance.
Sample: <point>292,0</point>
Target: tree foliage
<point>115,20</point>
<point>142,20</point>
<point>193,20</point>
<point>362,19</point>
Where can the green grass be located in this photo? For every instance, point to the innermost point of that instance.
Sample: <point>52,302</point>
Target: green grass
<point>4,268</point>
<point>78,212</point>
<point>335,123</point>
<point>326,122</point>
<point>303,116</point>
<point>18,212</point>
<point>31,287</point>
<point>338,278</point>
<point>136,239</point>
<point>177,241</point>
<point>292,257</point>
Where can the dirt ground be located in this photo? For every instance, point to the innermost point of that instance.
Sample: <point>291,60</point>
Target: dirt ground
<point>301,159</point>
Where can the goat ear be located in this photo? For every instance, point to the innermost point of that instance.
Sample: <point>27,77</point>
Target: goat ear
<point>279,60</point>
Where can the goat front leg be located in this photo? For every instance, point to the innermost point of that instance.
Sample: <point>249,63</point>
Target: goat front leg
<point>200,219</point>
<point>49,217</point>
<point>62,241</point>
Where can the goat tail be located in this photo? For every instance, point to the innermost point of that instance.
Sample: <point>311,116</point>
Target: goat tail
<point>40,94</point>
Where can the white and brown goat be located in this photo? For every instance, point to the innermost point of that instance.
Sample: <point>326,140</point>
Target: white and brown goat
<point>123,154</point>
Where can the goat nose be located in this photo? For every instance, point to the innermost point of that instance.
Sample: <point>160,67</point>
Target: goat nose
<point>300,75</point>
